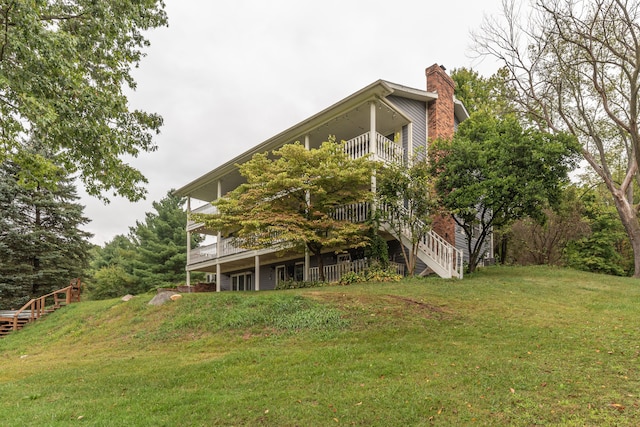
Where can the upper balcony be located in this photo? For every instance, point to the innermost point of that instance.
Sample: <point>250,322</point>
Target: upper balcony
<point>384,149</point>
<point>204,209</point>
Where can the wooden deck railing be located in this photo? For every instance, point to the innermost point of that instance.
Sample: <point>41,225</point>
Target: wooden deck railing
<point>38,307</point>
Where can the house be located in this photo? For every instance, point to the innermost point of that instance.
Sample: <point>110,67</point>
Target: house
<point>387,120</point>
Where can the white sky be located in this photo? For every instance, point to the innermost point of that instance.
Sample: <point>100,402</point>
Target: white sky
<point>227,75</point>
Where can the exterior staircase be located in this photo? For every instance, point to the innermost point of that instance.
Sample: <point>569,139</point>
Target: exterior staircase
<point>13,320</point>
<point>440,256</point>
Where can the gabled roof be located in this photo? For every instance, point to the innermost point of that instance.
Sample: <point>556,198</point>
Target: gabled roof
<point>375,91</point>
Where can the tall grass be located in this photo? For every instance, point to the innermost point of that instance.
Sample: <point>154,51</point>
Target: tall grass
<point>506,346</point>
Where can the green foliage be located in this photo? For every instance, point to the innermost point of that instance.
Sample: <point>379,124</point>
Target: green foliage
<point>293,196</point>
<point>65,66</point>
<point>160,243</point>
<point>544,241</point>
<point>478,93</point>
<point>298,284</point>
<point>375,274</point>
<point>42,244</point>
<point>407,202</point>
<point>377,249</point>
<point>602,250</point>
<point>110,282</point>
<point>152,256</point>
<point>493,172</point>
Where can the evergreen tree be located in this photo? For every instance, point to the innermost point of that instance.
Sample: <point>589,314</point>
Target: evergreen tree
<point>161,242</point>
<point>153,254</point>
<point>41,244</point>
<point>112,269</point>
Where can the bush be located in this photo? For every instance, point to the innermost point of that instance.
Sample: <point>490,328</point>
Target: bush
<point>292,284</point>
<point>375,274</point>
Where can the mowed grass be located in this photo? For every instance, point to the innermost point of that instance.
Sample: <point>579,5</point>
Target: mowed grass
<point>506,346</point>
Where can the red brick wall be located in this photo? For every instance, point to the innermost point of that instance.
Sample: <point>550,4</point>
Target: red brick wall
<point>441,124</point>
<point>440,111</point>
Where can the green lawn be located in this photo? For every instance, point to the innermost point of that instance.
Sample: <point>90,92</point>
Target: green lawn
<point>506,346</point>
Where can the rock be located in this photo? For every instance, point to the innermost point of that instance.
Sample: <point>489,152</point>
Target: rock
<point>127,297</point>
<point>162,297</point>
<point>175,297</point>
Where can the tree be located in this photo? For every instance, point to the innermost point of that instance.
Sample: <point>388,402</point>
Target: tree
<point>111,273</point>
<point>574,68</point>
<point>478,93</point>
<point>42,245</point>
<point>544,242</point>
<point>297,198</point>
<point>407,204</point>
<point>161,244</point>
<point>154,254</point>
<point>603,249</point>
<point>64,65</point>
<point>493,172</point>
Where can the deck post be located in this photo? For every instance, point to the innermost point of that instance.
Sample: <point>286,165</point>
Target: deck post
<point>219,235</point>
<point>218,277</point>
<point>188,278</point>
<point>257,267</point>
<point>373,143</point>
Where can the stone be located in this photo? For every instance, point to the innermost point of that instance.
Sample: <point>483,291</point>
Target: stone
<point>162,297</point>
<point>127,297</point>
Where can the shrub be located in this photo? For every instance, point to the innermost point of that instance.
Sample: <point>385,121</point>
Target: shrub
<point>375,274</point>
<point>293,284</point>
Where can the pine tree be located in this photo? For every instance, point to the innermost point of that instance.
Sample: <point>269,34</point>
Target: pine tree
<point>41,244</point>
<point>161,242</point>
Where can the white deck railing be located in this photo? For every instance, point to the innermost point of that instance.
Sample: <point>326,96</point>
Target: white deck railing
<point>354,212</point>
<point>204,209</point>
<point>386,150</point>
<point>441,256</point>
<point>203,253</point>
<point>333,273</point>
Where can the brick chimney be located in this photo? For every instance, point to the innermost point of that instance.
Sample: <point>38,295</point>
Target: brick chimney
<point>441,124</point>
<point>441,121</point>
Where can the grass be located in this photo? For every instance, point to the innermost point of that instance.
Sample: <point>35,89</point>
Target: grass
<point>506,346</point>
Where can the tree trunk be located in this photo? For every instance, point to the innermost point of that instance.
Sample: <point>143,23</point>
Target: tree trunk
<point>629,218</point>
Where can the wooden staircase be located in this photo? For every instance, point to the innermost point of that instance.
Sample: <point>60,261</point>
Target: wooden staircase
<point>13,320</point>
<point>439,256</point>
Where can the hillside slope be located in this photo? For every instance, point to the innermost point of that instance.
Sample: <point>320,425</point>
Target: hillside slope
<point>505,346</point>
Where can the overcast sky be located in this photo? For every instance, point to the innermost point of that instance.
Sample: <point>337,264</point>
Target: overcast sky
<point>227,75</point>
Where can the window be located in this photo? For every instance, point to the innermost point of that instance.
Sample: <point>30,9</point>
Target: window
<point>241,282</point>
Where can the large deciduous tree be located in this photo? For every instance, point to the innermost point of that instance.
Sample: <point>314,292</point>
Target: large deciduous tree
<point>64,68</point>
<point>298,197</point>
<point>493,172</point>
<point>42,245</point>
<point>574,67</point>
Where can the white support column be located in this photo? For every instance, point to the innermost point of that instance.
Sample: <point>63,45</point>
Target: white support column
<point>373,143</point>
<point>219,235</point>
<point>307,265</point>
<point>257,267</point>
<point>188,241</point>
<point>218,277</point>
<point>307,142</point>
